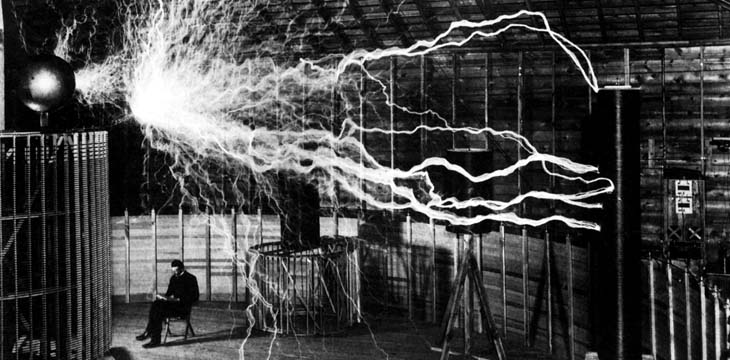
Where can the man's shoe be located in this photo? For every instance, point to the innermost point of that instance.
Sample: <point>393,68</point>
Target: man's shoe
<point>142,336</point>
<point>152,343</point>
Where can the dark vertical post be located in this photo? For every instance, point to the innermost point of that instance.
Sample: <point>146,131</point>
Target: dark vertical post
<point>703,316</point>
<point>549,285</point>
<point>614,133</point>
<point>525,288</point>
<point>153,217</point>
<point>670,311</point>
<point>688,312</point>
<point>208,286</point>
<point>718,322</point>
<point>571,298</point>
<point>181,226</point>
<point>127,268</point>
<point>652,308</point>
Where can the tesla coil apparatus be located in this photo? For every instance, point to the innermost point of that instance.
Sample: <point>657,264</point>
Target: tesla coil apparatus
<point>55,280</point>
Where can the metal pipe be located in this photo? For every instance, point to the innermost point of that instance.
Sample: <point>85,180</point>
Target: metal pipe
<point>688,312</point>
<point>670,302</point>
<point>703,314</point>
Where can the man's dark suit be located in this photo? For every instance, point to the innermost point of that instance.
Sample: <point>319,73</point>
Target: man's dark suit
<point>184,288</point>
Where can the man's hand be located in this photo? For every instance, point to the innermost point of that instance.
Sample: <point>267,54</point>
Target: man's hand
<point>160,297</point>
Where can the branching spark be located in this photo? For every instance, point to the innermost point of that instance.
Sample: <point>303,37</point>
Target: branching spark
<point>202,100</point>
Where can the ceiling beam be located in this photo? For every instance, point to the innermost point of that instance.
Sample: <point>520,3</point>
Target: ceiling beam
<point>356,12</point>
<point>639,24</point>
<point>332,25</point>
<point>601,21</point>
<point>397,22</point>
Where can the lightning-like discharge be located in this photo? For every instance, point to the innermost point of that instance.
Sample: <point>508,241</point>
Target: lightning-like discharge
<point>209,91</point>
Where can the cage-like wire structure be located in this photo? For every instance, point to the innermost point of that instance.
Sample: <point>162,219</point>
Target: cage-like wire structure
<point>310,292</point>
<point>55,281</point>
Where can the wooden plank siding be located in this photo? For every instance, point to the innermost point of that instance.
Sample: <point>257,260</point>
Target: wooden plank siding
<point>392,268</point>
<point>672,141</point>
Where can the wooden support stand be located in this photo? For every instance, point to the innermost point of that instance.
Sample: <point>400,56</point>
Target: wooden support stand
<point>468,267</point>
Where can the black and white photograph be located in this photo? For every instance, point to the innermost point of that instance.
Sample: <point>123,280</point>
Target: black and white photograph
<point>365,179</point>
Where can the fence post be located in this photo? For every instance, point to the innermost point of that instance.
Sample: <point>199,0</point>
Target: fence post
<point>127,269</point>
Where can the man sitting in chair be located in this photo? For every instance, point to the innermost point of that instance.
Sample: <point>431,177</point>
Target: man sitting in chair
<point>181,294</point>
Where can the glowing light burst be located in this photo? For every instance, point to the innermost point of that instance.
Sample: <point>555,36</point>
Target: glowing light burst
<point>209,91</point>
<point>182,81</point>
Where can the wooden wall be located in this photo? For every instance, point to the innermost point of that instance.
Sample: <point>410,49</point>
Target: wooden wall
<point>407,267</point>
<point>541,95</point>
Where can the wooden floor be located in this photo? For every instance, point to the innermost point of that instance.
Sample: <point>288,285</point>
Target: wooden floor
<point>220,334</point>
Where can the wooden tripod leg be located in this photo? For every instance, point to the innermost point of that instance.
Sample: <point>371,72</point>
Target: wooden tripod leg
<point>491,329</point>
<point>448,320</point>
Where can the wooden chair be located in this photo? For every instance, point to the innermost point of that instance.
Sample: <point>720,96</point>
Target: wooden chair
<point>182,318</point>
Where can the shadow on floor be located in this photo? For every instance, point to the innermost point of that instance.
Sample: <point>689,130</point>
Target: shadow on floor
<point>119,353</point>
<point>235,333</point>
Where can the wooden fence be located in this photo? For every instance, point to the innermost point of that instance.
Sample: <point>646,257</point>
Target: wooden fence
<point>537,281</point>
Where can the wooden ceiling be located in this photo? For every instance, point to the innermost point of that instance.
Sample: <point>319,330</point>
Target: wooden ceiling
<point>325,26</point>
<point>352,24</point>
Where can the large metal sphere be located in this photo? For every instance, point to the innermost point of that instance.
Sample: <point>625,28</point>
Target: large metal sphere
<point>45,83</point>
